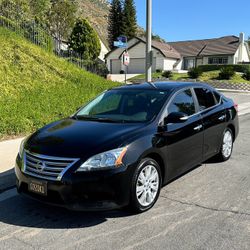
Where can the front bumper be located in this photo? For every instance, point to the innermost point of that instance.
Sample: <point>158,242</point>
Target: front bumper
<point>92,191</point>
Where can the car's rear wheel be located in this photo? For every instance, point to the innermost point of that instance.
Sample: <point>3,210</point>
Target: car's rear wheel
<point>227,145</point>
<point>146,185</point>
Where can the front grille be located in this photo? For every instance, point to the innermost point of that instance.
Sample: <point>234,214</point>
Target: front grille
<point>46,167</point>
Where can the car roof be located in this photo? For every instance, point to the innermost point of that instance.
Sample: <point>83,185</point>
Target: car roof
<point>162,86</point>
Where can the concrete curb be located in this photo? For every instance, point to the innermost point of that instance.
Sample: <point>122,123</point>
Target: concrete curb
<point>234,91</point>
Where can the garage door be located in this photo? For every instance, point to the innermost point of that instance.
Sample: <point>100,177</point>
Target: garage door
<point>115,66</point>
<point>137,66</point>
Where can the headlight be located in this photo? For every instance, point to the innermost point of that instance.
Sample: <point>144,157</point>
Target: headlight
<point>106,160</point>
<point>21,147</point>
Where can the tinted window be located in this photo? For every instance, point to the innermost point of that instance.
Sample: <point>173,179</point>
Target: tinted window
<point>125,105</point>
<point>183,102</point>
<point>205,98</point>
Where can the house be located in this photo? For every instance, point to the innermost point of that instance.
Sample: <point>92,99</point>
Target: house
<point>63,46</point>
<point>181,55</point>
<point>164,57</point>
<point>223,50</point>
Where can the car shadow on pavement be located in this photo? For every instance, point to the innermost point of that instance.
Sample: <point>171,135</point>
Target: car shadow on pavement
<point>25,212</point>
<point>7,179</point>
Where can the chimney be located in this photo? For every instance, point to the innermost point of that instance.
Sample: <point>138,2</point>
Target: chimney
<point>242,37</point>
<point>241,47</point>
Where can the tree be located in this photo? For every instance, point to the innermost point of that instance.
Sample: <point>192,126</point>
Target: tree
<point>39,10</point>
<point>61,18</point>
<point>129,19</point>
<point>85,40</point>
<point>15,9</point>
<point>115,22</point>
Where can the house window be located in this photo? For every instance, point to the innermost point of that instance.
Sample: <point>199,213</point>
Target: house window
<point>189,63</point>
<point>218,60</point>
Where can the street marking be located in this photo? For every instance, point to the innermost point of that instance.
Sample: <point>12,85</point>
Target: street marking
<point>8,194</point>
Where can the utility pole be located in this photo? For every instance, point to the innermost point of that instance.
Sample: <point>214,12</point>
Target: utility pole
<point>149,56</point>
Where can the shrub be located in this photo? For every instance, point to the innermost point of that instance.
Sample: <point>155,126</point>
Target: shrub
<point>194,73</point>
<point>167,74</point>
<point>158,71</point>
<point>237,67</point>
<point>122,72</point>
<point>226,73</point>
<point>84,40</point>
<point>246,75</point>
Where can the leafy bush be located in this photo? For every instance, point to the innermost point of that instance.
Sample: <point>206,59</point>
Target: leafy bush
<point>246,75</point>
<point>122,72</point>
<point>167,74</point>
<point>194,73</point>
<point>237,67</point>
<point>226,73</point>
<point>158,71</point>
<point>84,40</point>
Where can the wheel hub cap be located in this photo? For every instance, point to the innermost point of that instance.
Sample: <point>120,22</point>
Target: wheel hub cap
<point>147,185</point>
<point>227,144</point>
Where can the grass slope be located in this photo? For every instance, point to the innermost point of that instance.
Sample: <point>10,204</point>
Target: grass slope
<point>36,87</point>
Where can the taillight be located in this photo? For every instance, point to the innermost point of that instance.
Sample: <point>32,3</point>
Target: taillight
<point>236,106</point>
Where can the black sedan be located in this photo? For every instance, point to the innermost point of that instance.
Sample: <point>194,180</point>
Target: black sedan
<point>124,145</point>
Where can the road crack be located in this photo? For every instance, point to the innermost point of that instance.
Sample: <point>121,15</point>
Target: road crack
<point>205,207</point>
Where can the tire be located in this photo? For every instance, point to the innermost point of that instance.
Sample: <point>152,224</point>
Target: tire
<point>226,145</point>
<point>145,192</point>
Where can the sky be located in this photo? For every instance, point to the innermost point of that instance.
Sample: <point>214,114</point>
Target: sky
<point>177,20</point>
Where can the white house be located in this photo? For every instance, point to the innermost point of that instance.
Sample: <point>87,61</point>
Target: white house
<point>164,57</point>
<point>181,55</point>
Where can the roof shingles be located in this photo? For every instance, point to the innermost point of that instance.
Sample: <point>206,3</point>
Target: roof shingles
<point>217,46</point>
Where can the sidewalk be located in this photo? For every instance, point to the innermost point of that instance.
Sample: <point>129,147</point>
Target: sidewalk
<point>8,153</point>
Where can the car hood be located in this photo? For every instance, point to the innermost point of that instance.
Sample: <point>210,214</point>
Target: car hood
<point>80,139</point>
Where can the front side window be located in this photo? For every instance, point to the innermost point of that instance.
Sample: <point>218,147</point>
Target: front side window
<point>125,106</point>
<point>205,98</point>
<point>183,102</point>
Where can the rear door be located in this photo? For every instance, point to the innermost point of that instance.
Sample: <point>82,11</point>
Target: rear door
<point>214,120</point>
<point>183,141</point>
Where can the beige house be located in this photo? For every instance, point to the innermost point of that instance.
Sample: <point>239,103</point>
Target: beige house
<point>181,55</point>
<point>164,57</point>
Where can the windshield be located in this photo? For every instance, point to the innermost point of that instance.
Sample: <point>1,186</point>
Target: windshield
<point>124,106</point>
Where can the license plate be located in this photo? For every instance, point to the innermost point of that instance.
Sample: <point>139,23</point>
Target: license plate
<point>38,187</point>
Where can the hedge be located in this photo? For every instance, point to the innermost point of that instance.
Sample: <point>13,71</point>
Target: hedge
<point>236,67</point>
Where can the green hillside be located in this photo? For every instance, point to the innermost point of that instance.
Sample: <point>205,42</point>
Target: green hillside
<point>36,87</point>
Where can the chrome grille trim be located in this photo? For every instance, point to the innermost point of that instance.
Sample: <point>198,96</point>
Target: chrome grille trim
<point>46,167</point>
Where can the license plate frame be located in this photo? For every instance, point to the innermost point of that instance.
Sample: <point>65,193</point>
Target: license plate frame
<point>38,187</point>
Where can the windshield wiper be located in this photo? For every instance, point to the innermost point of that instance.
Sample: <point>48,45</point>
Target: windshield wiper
<point>94,118</point>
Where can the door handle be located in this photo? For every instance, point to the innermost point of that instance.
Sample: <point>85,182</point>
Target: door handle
<point>221,118</point>
<point>198,128</point>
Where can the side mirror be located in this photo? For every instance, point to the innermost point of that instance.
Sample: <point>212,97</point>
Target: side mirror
<point>176,117</point>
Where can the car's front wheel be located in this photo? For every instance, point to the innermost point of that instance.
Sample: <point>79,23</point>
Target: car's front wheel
<point>146,185</point>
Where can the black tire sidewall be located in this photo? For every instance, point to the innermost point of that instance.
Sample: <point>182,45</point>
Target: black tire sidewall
<point>134,203</point>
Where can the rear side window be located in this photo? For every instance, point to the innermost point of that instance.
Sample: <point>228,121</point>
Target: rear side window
<point>205,98</point>
<point>183,102</point>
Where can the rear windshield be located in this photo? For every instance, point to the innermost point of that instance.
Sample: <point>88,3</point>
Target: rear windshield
<point>125,105</point>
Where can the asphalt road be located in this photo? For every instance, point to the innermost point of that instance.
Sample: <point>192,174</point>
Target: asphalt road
<point>208,208</point>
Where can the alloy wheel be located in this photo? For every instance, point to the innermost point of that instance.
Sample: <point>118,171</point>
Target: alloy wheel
<point>227,145</point>
<point>147,185</point>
